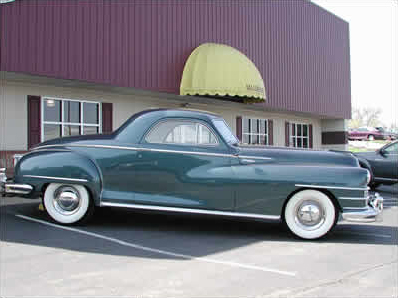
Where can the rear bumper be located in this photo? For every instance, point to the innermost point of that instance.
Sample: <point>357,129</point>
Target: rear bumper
<point>373,212</point>
<point>12,188</point>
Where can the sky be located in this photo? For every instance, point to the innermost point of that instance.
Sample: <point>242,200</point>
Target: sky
<point>374,50</point>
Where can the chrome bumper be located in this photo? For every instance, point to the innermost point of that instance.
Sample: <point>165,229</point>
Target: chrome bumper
<point>12,188</point>
<point>374,211</point>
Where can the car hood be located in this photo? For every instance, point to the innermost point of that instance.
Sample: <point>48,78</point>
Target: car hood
<point>301,156</point>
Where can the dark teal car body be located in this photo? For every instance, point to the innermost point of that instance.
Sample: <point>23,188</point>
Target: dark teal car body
<point>138,167</point>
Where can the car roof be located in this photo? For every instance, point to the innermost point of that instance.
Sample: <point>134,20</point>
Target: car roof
<point>136,125</point>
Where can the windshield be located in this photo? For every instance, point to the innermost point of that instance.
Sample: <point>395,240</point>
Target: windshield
<point>225,131</point>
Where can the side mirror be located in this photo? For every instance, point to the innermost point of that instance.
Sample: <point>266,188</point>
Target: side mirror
<point>382,152</point>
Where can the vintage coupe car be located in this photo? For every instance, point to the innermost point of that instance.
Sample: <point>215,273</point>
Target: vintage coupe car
<point>382,164</point>
<point>189,161</point>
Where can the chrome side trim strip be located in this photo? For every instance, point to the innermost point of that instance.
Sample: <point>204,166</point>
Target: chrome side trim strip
<point>189,210</point>
<point>156,150</point>
<point>386,179</point>
<point>56,178</point>
<point>253,157</point>
<point>352,199</point>
<point>354,208</point>
<point>331,187</point>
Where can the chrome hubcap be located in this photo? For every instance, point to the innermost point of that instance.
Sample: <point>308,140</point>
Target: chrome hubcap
<point>66,200</point>
<point>309,214</point>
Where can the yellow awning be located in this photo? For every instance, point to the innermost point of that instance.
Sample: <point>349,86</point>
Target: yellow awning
<point>217,69</point>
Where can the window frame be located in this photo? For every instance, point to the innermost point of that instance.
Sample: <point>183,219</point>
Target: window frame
<point>250,134</point>
<point>291,136</point>
<point>62,123</point>
<point>194,121</point>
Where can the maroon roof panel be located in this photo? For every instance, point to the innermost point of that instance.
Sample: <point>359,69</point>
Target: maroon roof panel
<point>301,50</point>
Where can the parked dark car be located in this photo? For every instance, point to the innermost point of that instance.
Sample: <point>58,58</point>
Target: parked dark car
<point>382,163</point>
<point>366,133</point>
<point>189,161</point>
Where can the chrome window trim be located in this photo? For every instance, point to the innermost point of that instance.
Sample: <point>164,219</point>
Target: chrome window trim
<point>144,141</point>
<point>154,150</point>
<point>56,178</point>
<point>189,210</point>
<point>331,187</point>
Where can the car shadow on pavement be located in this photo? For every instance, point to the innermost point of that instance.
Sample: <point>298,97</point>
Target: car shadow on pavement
<point>191,235</point>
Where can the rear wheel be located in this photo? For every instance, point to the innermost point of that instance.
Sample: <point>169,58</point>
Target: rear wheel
<point>310,214</point>
<point>68,203</point>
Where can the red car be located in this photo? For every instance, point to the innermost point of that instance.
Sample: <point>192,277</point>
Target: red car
<point>367,133</point>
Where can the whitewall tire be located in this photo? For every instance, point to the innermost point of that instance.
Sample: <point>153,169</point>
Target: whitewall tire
<point>310,214</point>
<point>68,203</point>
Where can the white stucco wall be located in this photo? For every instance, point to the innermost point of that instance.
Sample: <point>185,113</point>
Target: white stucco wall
<point>14,110</point>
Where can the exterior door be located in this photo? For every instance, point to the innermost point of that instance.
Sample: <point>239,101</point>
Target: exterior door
<point>385,163</point>
<point>183,163</point>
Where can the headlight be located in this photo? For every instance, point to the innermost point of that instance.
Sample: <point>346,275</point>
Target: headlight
<point>368,176</point>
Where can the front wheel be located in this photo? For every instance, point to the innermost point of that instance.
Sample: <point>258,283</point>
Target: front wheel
<point>371,137</point>
<point>68,204</point>
<point>310,214</point>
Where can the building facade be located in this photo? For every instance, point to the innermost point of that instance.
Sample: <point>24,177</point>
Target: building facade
<point>82,67</point>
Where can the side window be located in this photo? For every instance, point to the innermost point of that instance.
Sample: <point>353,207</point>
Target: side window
<point>181,132</point>
<point>393,149</point>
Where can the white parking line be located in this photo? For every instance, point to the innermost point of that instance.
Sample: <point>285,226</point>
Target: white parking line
<point>158,251</point>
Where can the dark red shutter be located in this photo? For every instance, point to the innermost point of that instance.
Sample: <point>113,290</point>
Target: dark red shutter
<point>270,132</point>
<point>107,117</point>
<point>310,135</point>
<point>34,120</point>
<point>287,134</point>
<point>239,128</point>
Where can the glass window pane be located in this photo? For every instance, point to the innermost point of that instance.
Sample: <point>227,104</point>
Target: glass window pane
<point>293,129</point>
<point>51,131</point>
<point>305,130</point>
<point>254,125</point>
<point>263,127</point>
<point>246,125</point>
<point>299,142</point>
<point>263,140</point>
<point>299,130</point>
<point>305,143</point>
<point>205,136</point>
<point>72,111</point>
<point>90,111</point>
<point>254,139</point>
<point>189,134</point>
<point>71,130</point>
<point>52,110</point>
<point>245,139</point>
<point>293,141</point>
<point>90,130</point>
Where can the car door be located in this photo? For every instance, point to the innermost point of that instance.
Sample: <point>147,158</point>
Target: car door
<point>385,163</point>
<point>183,163</point>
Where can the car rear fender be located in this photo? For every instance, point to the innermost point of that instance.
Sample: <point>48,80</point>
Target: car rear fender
<point>41,167</point>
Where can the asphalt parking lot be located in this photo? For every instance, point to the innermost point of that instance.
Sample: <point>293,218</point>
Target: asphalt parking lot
<point>126,253</point>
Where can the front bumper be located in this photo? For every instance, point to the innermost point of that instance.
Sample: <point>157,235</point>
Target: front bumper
<point>12,188</point>
<point>373,212</point>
